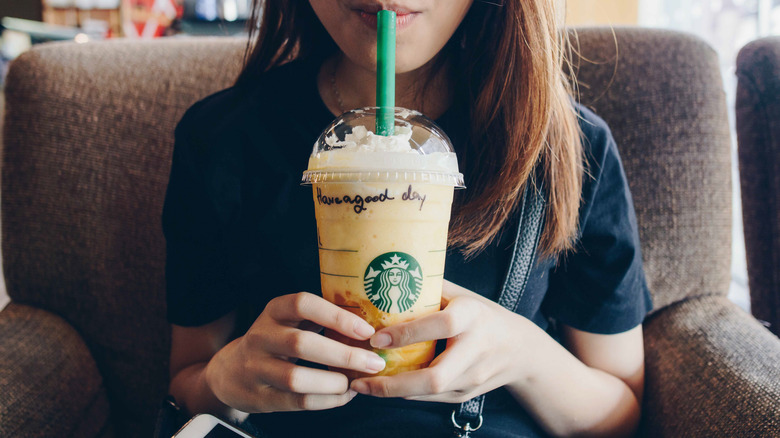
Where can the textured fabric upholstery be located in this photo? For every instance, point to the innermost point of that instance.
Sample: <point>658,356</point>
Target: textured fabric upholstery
<point>49,382</point>
<point>662,96</point>
<point>758,132</point>
<point>711,371</point>
<point>88,142</point>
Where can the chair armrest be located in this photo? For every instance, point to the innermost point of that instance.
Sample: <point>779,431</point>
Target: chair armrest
<point>49,382</point>
<point>711,370</point>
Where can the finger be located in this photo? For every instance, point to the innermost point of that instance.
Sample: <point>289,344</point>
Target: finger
<point>304,306</point>
<point>310,326</point>
<point>447,397</point>
<point>289,377</point>
<point>316,348</point>
<point>413,383</point>
<point>469,382</point>
<point>441,376</point>
<point>465,387</point>
<point>451,290</point>
<point>448,323</point>
<point>289,401</point>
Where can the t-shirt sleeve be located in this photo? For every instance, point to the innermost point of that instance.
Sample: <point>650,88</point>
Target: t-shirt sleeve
<point>601,287</point>
<point>195,227</point>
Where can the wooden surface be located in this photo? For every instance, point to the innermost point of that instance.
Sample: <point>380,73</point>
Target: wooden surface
<point>602,12</point>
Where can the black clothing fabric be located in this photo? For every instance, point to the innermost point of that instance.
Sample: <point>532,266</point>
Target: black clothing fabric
<point>240,230</point>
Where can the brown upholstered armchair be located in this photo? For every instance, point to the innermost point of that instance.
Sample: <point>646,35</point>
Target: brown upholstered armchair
<point>88,136</point>
<point>758,132</point>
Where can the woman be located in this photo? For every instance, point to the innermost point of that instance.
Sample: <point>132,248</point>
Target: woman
<point>242,238</point>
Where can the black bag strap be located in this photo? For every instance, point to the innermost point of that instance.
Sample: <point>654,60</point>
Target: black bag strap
<point>468,417</point>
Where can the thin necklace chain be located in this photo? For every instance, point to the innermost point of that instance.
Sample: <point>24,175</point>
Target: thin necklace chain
<point>336,87</point>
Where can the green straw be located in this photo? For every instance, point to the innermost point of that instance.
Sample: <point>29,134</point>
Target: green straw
<point>385,73</point>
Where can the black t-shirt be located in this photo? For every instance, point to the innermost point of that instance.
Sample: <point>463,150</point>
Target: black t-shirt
<point>240,230</point>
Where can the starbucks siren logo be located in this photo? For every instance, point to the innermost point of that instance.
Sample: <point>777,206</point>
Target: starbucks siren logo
<point>393,282</point>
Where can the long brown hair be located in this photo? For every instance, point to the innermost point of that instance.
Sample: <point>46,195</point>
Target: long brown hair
<point>508,62</point>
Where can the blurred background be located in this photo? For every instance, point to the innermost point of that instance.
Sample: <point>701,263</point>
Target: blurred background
<point>726,24</point>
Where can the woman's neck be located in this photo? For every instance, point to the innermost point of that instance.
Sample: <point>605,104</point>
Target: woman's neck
<point>344,85</point>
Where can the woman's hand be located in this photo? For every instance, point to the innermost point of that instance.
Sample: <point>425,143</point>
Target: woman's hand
<point>257,372</point>
<point>485,344</point>
<point>598,388</point>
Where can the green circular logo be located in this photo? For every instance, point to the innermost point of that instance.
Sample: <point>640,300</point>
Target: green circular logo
<point>393,282</point>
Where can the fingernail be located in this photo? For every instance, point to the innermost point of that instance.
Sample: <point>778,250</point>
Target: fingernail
<point>364,329</point>
<point>352,394</point>
<point>375,363</point>
<point>360,387</point>
<point>381,340</point>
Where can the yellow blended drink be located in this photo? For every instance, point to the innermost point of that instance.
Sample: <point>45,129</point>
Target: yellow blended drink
<point>383,205</point>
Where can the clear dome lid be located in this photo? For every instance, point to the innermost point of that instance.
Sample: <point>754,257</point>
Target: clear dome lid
<point>348,150</point>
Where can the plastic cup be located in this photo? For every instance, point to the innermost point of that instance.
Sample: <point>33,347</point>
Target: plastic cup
<point>382,220</point>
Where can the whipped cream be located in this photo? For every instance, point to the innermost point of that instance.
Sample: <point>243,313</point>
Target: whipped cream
<point>364,150</point>
<point>363,140</point>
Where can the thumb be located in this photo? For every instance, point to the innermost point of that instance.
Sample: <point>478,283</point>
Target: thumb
<point>451,290</point>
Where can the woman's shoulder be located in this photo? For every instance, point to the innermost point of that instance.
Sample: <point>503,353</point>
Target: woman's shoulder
<point>604,167</point>
<point>237,104</point>
<point>600,150</point>
<point>596,134</point>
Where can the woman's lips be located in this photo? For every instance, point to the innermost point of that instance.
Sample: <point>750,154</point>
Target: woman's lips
<point>402,19</point>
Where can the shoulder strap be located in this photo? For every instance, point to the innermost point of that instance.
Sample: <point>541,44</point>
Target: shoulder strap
<point>468,417</point>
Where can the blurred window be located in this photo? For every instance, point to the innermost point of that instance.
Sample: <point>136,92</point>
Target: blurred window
<point>727,25</point>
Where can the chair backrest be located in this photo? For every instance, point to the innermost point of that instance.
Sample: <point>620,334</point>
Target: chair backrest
<point>88,139</point>
<point>758,133</point>
<point>88,142</point>
<point>662,95</point>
